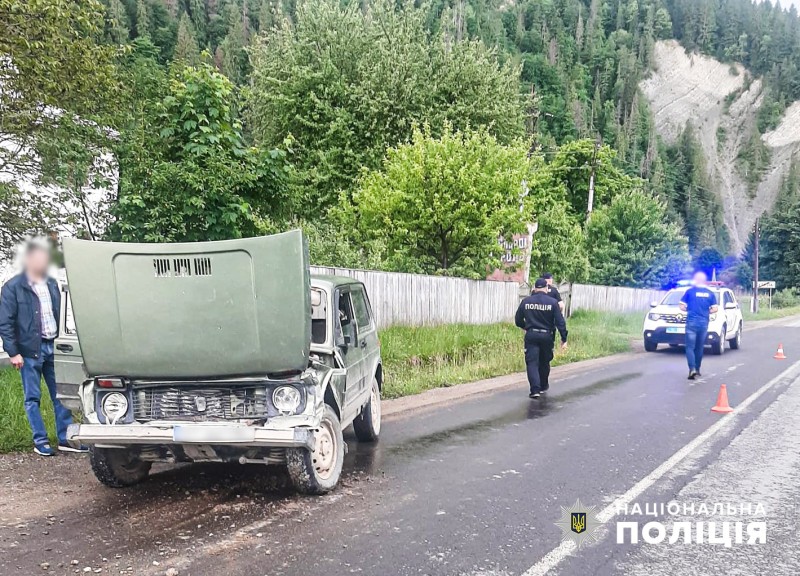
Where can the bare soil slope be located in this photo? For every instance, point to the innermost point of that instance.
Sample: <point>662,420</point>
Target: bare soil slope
<point>721,105</point>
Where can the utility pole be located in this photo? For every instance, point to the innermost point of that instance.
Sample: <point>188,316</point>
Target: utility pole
<point>590,204</point>
<point>755,269</point>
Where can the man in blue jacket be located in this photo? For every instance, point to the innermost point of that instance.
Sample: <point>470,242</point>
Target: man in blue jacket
<point>30,307</point>
<point>699,303</point>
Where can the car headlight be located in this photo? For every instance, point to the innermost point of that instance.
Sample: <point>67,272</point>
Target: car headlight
<point>286,399</point>
<point>713,317</point>
<point>115,406</point>
<point>654,316</point>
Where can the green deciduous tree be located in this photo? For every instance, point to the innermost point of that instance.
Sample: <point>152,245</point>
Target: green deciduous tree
<point>198,180</point>
<point>559,245</point>
<point>631,242</point>
<point>52,69</point>
<point>346,84</point>
<point>440,204</point>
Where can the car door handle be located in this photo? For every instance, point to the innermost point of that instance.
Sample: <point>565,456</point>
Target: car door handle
<point>64,347</point>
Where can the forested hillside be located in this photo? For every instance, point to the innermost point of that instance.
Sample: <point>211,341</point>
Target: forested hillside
<point>234,117</point>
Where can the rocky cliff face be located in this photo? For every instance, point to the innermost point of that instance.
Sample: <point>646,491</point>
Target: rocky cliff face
<point>720,102</point>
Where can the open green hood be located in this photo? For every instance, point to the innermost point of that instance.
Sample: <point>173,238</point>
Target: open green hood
<point>206,309</point>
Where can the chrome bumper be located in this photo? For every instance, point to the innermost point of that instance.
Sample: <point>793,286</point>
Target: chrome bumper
<point>206,434</point>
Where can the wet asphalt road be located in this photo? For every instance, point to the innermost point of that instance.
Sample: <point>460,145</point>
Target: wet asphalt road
<point>472,488</point>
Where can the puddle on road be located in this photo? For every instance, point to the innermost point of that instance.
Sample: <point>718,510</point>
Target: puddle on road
<point>468,432</point>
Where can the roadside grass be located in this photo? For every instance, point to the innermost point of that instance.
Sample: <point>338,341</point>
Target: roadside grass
<point>15,435</point>
<point>769,314</point>
<point>415,359</point>
<point>418,359</point>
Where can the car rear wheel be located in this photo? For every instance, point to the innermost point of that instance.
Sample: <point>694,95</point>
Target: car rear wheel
<point>650,346</point>
<point>367,425</point>
<point>718,348</point>
<point>118,467</point>
<point>317,471</point>
<point>737,342</point>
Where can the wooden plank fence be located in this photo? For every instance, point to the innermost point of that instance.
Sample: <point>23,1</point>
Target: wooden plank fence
<point>612,298</point>
<point>419,300</point>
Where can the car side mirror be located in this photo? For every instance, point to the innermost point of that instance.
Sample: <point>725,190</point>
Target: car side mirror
<point>653,304</point>
<point>731,306</point>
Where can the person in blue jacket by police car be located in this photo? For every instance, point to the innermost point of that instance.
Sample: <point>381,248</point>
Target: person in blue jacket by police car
<point>699,302</point>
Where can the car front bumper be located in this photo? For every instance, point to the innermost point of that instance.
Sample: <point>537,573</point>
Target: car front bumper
<point>210,434</point>
<point>661,336</point>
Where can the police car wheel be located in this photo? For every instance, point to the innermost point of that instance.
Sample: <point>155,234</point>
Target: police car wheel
<point>650,346</point>
<point>737,342</point>
<point>719,347</point>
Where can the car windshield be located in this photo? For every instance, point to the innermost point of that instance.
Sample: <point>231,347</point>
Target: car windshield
<point>673,297</point>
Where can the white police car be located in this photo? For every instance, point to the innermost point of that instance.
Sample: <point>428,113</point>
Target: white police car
<point>666,322</point>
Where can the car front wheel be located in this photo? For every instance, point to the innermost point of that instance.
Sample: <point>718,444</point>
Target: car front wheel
<point>317,471</point>
<point>650,346</point>
<point>117,467</point>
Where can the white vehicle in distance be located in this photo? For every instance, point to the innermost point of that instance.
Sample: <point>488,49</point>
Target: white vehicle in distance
<point>666,322</point>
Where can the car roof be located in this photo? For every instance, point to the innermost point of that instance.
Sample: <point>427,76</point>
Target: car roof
<point>330,281</point>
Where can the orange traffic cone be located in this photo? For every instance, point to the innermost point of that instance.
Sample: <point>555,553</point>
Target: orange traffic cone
<point>779,355</point>
<point>722,401</point>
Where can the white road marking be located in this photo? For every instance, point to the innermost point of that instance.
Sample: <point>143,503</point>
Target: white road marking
<point>560,552</point>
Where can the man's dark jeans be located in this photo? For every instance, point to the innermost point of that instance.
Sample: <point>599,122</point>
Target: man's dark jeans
<point>538,354</point>
<point>695,340</point>
<point>32,371</point>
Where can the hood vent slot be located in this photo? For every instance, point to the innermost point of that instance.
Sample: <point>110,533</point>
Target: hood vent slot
<point>202,266</point>
<point>162,268</point>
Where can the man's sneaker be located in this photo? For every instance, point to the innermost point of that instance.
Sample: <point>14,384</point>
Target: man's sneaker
<point>692,374</point>
<point>67,448</point>
<point>43,450</point>
<point>534,396</point>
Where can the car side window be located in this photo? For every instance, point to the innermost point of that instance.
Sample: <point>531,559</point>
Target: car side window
<point>726,299</point>
<point>362,310</point>
<point>346,319</point>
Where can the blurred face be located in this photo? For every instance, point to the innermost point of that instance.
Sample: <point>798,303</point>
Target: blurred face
<point>37,262</point>
<point>700,279</point>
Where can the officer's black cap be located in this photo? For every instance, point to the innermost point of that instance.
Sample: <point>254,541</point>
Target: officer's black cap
<point>540,283</point>
<point>547,276</point>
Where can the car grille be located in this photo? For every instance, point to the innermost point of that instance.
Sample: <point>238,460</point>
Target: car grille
<point>674,318</point>
<point>200,403</point>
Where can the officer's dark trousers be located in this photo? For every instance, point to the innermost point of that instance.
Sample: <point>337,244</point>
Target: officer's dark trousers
<point>538,354</point>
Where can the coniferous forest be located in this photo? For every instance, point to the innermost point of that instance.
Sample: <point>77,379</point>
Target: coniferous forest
<point>355,120</point>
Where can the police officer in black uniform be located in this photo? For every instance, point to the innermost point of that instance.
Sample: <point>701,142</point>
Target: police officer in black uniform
<point>540,315</point>
<point>552,291</point>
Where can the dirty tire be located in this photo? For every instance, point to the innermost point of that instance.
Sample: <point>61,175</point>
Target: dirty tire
<point>318,471</point>
<point>367,425</point>
<point>117,467</point>
<point>650,346</point>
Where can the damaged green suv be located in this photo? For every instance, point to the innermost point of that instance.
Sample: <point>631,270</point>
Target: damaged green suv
<point>216,352</point>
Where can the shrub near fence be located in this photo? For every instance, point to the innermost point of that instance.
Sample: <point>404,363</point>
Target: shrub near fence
<point>612,298</point>
<point>418,300</point>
